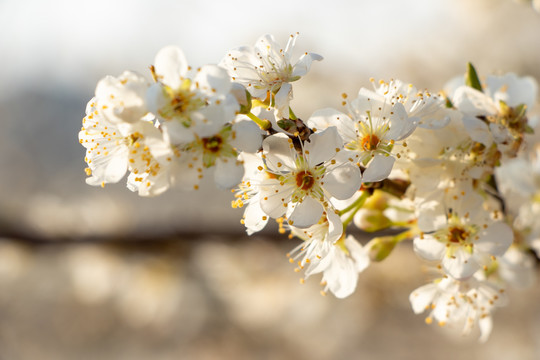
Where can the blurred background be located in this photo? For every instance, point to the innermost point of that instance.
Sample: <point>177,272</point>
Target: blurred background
<point>91,273</point>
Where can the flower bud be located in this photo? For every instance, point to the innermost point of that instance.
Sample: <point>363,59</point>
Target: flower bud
<point>381,247</point>
<point>371,220</point>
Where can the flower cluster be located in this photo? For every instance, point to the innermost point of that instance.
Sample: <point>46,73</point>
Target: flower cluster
<point>452,172</point>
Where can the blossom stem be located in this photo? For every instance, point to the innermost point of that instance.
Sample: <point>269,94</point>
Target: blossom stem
<point>407,234</point>
<point>361,200</point>
<point>353,208</point>
<point>263,124</point>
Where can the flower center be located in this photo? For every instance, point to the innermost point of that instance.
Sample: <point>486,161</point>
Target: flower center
<point>457,234</point>
<point>370,142</point>
<point>212,144</point>
<point>133,138</point>
<point>305,180</point>
<point>180,103</point>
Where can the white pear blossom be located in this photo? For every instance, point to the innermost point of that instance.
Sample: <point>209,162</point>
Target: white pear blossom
<point>190,106</point>
<point>123,99</point>
<point>326,250</point>
<point>499,113</point>
<point>370,131</point>
<point>457,176</point>
<point>113,149</point>
<point>266,69</point>
<point>460,304</point>
<point>220,151</point>
<point>248,195</point>
<point>518,181</point>
<point>305,180</point>
<point>430,109</point>
<point>465,239</point>
<point>106,147</point>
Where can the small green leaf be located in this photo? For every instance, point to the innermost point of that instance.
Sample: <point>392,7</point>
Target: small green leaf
<point>471,78</point>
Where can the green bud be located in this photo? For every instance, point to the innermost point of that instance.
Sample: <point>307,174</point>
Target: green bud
<point>377,201</point>
<point>381,247</point>
<point>371,220</point>
<point>471,78</point>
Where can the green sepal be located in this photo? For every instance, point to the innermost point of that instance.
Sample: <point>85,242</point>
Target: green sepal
<point>246,109</point>
<point>448,103</point>
<point>287,125</point>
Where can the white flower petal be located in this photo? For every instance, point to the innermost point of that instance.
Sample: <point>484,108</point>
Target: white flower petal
<point>343,181</point>
<point>513,90</point>
<point>358,253</point>
<point>123,98</point>
<point>495,240</point>
<point>184,176</point>
<point>113,170</point>
<point>277,149</point>
<point>213,80</point>
<point>461,265</point>
<point>247,137</point>
<point>379,168</point>
<point>254,218</point>
<point>274,198</point>
<point>341,276</point>
<point>335,226</point>
<point>282,98</point>
<point>477,130</point>
<point>209,120</point>
<point>171,65</point>
<point>401,125</point>
<point>175,133</point>
<point>304,214</point>
<point>473,102</point>
<point>327,117</point>
<point>228,173</point>
<point>422,297</point>
<point>322,146</point>
<point>485,324</point>
<point>303,65</point>
<point>429,248</point>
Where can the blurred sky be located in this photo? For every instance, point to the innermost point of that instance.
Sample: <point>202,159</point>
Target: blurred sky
<point>54,52</point>
<point>66,41</point>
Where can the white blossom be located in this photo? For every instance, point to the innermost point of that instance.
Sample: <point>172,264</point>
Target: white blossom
<point>371,129</point>
<point>305,180</point>
<point>267,70</point>
<point>465,238</point>
<point>459,304</point>
<point>187,105</point>
<point>326,250</point>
